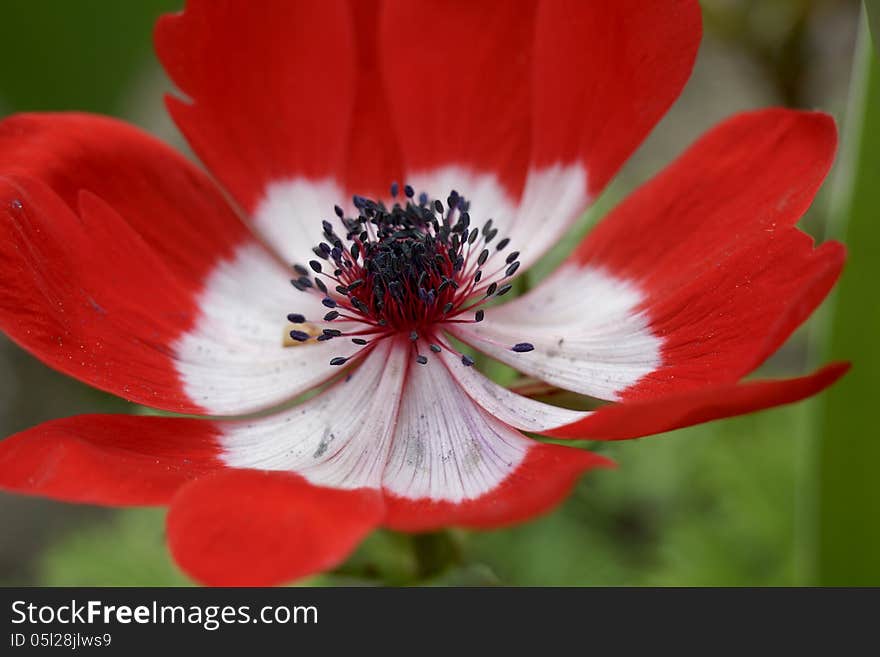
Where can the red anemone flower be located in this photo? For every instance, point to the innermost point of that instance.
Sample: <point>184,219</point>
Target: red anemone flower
<point>126,267</point>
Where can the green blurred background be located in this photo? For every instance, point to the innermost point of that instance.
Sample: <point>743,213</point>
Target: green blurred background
<point>785,497</point>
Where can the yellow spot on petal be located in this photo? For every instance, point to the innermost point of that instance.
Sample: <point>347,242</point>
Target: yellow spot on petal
<point>287,341</point>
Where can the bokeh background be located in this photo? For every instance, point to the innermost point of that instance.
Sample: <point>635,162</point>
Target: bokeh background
<point>785,497</point>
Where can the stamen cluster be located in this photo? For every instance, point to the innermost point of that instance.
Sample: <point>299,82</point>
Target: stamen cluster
<point>406,270</point>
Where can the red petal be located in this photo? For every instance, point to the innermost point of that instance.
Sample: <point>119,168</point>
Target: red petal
<point>115,460</point>
<point>725,321</point>
<point>177,211</point>
<point>710,242</point>
<point>756,172</point>
<point>459,91</point>
<point>651,416</point>
<point>88,297</point>
<point>255,528</point>
<point>542,480</point>
<point>126,269</point>
<point>604,73</point>
<point>273,92</point>
<point>373,160</point>
<point>90,293</point>
<point>499,86</point>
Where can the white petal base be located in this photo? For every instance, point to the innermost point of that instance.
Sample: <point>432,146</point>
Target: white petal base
<point>589,333</point>
<point>233,360</point>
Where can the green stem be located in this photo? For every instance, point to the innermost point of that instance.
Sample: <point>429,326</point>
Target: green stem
<point>844,525</point>
<point>435,552</point>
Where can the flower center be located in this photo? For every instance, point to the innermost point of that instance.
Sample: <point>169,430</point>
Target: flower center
<point>406,270</point>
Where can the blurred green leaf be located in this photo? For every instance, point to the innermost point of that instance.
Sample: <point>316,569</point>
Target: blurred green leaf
<point>848,448</point>
<point>385,557</point>
<point>58,55</point>
<point>129,550</point>
<point>872,7</point>
<point>476,574</point>
<point>709,505</point>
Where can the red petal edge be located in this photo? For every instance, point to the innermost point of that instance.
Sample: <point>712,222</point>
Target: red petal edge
<point>258,528</point>
<point>541,481</point>
<point>652,416</point>
<point>112,460</point>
